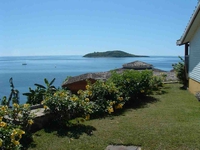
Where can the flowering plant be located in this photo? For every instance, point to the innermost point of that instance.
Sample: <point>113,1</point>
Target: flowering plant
<point>105,95</point>
<point>14,122</point>
<point>65,105</point>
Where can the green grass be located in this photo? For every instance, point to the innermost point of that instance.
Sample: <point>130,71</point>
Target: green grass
<point>170,121</point>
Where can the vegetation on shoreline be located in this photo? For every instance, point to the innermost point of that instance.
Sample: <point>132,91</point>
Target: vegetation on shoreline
<point>110,99</point>
<point>15,121</point>
<point>99,99</point>
<point>116,53</point>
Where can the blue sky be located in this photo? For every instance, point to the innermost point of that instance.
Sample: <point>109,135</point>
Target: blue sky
<point>77,27</point>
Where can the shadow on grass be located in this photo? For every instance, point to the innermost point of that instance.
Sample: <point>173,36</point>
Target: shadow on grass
<point>160,92</point>
<point>27,141</point>
<point>71,130</point>
<point>183,88</point>
<point>141,102</point>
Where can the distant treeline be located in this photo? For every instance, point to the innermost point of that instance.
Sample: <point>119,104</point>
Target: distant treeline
<point>116,53</point>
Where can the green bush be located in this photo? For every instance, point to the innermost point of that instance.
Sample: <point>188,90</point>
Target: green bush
<point>156,82</point>
<point>105,95</point>
<point>181,72</point>
<point>136,84</point>
<point>66,106</point>
<point>133,84</point>
<point>36,96</point>
<point>15,123</point>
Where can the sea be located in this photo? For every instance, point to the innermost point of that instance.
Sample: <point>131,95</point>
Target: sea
<point>28,70</point>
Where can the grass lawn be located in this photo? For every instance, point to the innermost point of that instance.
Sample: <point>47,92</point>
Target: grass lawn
<point>170,121</point>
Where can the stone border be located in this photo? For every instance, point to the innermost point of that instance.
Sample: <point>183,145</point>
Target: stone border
<point>122,147</point>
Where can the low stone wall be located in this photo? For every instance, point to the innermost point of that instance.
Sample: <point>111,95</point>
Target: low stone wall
<point>41,119</point>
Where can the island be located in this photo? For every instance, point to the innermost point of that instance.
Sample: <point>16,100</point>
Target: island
<point>115,53</point>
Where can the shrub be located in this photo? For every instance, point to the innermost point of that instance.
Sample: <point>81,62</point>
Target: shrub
<point>163,76</point>
<point>36,96</point>
<point>65,105</point>
<point>105,95</point>
<point>181,72</point>
<point>14,122</point>
<point>156,82</point>
<point>133,84</point>
<point>136,84</point>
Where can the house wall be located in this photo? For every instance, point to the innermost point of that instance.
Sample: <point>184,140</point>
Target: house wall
<point>194,62</point>
<point>194,86</point>
<point>80,85</point>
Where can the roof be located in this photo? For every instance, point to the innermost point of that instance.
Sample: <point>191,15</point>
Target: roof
<point>191,27</point>
<point>137,65</point>
<point>95,76</point>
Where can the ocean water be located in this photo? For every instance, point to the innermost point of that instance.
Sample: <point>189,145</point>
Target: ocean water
<point>60,67</point>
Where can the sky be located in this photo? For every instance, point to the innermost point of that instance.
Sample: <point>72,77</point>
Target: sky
<point>78,27</point>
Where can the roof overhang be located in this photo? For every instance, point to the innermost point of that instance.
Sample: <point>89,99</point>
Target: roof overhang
<point>193,24</point>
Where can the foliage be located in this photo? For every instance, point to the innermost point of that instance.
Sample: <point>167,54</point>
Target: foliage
<point>36,96</point>
<point>181,72</point>
<point>116,53</point>
<point>163,76</point>
<point>136,84</point>
<point>105,95</point>
<point>14,122</point>
<point>156,82</point>
<point>65,105</point>
<point>133,83</point>
<point>14,95</point>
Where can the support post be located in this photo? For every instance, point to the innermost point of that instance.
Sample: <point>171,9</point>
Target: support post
<point>186,64</point>
<point>186,48</point>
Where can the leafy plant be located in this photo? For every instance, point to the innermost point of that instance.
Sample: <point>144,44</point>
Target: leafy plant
<point>50,88</point>
<point>136,84</point>
<point>64,106</point>
<point>105,95</point>
<point>15,122</point>
<point>181,72</point>
<point>133,84</point>
<point>163,76</point>
<point>14,95</point>
<point>156,83</point>
<point>36,96</point>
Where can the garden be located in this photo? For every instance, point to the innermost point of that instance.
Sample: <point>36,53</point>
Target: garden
<point>131,108</point>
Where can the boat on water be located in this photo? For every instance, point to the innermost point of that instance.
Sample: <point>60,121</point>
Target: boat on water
<point>24,63</point>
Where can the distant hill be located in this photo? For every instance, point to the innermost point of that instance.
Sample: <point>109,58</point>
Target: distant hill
<point>115,53</point>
